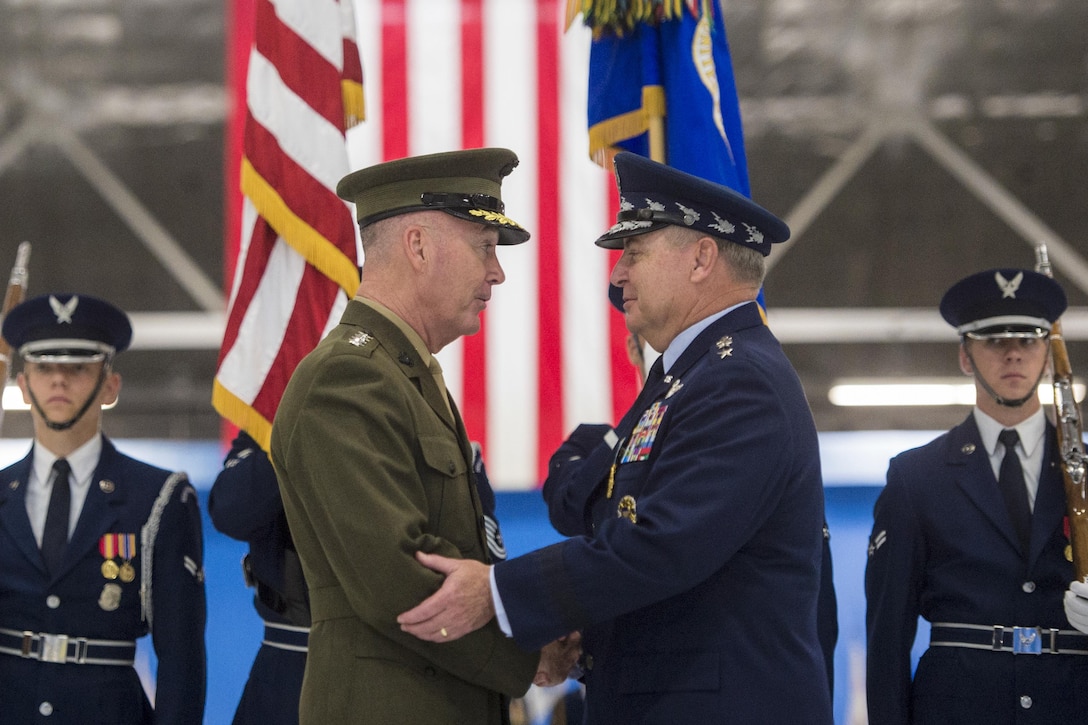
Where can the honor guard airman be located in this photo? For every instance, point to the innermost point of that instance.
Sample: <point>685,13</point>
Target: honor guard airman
<point>245,504</point>
<point>969,534</point>
<point>97,549</point>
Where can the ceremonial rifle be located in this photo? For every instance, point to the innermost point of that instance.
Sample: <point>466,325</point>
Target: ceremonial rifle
<point>16,293</point>
<point>1070,438</point>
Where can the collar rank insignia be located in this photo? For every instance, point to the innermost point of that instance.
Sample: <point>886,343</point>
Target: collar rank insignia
<point>1008,287</point>
<point>725,346</point>
<point>674,389</point>
<point>358,339</point>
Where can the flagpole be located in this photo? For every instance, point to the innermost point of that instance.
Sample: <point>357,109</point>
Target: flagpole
<point>657,137</point>
<point>15,294</point>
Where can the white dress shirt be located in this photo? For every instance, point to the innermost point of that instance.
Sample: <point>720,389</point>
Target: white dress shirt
<point>1030,449</point>
<point>83,461</point>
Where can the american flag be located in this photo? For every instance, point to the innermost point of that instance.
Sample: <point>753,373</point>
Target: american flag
<point>451,74</point>
<point>296,259</point>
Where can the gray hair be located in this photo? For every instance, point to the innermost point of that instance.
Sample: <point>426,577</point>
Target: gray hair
<point>370,236</point>
<point>748,265</point>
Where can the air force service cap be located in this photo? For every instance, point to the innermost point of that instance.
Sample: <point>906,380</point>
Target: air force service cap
<point>653,195</point>
<point>1003,303</point>
<point>466,184</point>
<point>66,328</point>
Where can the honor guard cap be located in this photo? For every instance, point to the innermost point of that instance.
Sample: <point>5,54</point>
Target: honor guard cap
<point>466,184</point>
<point>67,328</point>
<point>1003,303</point>
<point>653,195</point>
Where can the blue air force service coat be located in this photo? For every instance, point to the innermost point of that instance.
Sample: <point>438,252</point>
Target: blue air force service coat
<point>695,579</point>
<point>245,504</point>
<point>943,547</point>
<point>165,596</point>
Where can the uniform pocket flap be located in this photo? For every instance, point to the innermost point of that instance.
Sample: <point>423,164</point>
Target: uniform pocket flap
<point>443,455</point>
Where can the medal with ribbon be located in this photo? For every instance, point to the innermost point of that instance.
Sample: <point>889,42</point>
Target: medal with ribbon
<point>127,544</point>
<point>107,546</point>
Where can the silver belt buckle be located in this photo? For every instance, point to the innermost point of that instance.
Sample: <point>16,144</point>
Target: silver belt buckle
<point>1027,641</point>
<point>54,647</point>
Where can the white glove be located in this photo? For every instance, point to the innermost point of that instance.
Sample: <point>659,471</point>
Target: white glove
<point>1076,605</point>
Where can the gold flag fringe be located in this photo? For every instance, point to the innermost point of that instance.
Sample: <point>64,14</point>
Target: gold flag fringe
<point>354,103</point>
<point>241,414</point>
<point>303,238</point>
<point>620,16</point>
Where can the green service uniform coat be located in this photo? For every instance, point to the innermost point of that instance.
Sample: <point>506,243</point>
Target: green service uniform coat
<point>373,466</point>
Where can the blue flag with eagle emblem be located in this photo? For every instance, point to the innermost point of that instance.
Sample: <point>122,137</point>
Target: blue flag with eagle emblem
<point>668,59</point>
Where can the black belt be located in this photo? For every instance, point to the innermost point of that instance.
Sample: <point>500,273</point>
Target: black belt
<point>66,649</point>
<point>286,636</point>
<point>1018,640</point>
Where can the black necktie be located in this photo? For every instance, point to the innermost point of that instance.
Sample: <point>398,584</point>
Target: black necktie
<point>657,371</point>
<point>1013,488</point>
<point>653,380</point>
<point>55,537</point>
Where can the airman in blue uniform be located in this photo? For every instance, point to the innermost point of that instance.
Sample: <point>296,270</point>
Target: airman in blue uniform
<point>968,533</point>
<point>97,549</point>
<point>245,504</point>
<point>696,574</point>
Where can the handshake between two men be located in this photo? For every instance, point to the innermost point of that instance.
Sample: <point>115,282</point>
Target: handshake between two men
<point>464,603</point>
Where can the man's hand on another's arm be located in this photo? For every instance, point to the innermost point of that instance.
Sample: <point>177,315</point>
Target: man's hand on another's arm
<point>461,605</point>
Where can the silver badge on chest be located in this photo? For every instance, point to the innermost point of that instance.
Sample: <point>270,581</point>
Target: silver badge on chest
<point>110,598</point>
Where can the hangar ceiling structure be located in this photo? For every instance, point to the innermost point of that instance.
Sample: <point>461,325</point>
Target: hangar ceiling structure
<point>906,142</point>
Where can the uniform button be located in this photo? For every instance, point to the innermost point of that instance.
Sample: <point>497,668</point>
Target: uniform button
<point>589,662</point>
<point>1028,587</point>
<point>430,672</point>
<point>52,601</point>
<point>1025,701</point>
<point>46,709</point>
<point>451,468</point>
